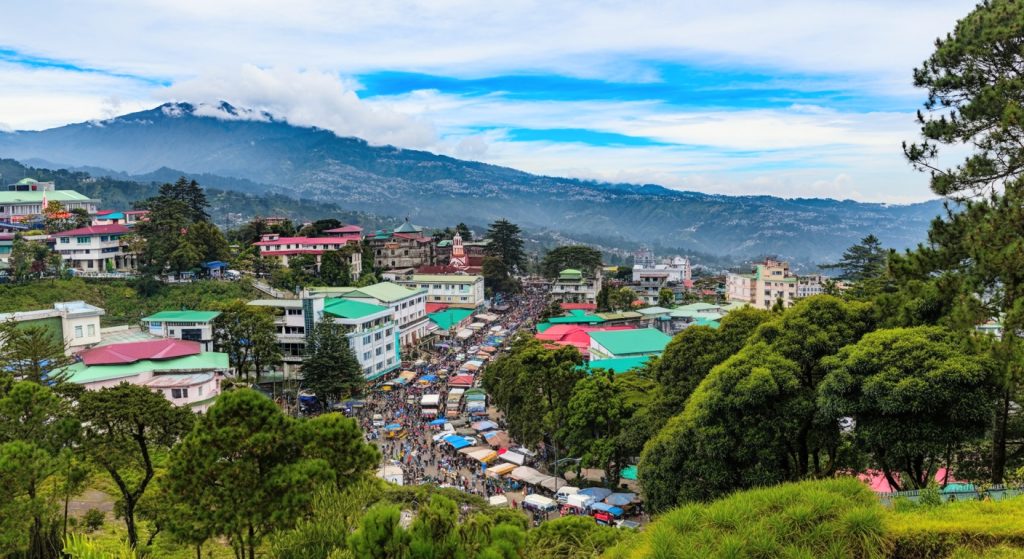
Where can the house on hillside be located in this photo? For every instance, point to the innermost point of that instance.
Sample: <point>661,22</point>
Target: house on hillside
<point>572,286</point>
<point>192,326</point>
<point>98,249</point>
<point>272,246</point>
<point>77,323</point>
<point>403,247</point>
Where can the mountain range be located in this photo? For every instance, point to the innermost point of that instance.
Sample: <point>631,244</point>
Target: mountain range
<point>235,149</point>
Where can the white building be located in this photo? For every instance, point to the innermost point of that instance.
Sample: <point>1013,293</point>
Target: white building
<point>573,287</point>
<point>454,290</point>
<point>409,305</point>
<point>193,326</point>
<point>76,322</point>
<point>290,325</point>
<point>769,282</point>
<point>27,197</point>
<point>282,249</point>
<point>96,249</point>
<point>675,270</point>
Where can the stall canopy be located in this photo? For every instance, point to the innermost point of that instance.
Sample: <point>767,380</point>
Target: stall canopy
<point>487,317</point>
<point>605,507</point>
<point>430,400</point>
<point>500,470</point>
<point>498,501</point>
<point>407,375</point>
<point>393,427</point>
<point>620,499</point>
<point>456,441</point>
<point>629,472</point>
<point>480,453</point>
<point>477,326</point>
<point>528,475</point>
<point>540,501</point>
<point>464,334</point>
<point>461,380</point>
<point>514,457</point>
<point>485,425</point>
<point>598,493</point>
<point>553,483</point>
<point>428,378</point>
<point>497,439</point>
<point>439,422</point>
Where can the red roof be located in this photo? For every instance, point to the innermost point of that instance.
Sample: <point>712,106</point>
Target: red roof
<point>94,230</point>
<point>461,380</point>
<point>291,252</point>
<point>574,335</point>
<point>122,354</point>
<point>307,241</point>
<point>345,229</point>
<point>435,307</point>
<point>579,306</point>
<point>105,212</point>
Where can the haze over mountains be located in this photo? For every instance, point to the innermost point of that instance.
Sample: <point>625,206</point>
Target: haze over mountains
<point>270,155</point>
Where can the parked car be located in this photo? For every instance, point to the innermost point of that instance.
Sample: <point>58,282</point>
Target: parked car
<point>378,420</point>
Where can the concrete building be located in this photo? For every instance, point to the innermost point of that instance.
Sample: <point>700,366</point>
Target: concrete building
<point>676,270</point>
<point>573,287</point>
<point>96,249</point>
<point>26,199</point>
<point>193,326</point>
<point>290,325</point>
<point>769,282</point>
<point>404,247</point>
<point>179,370</point>
<point>454,290</point>
<point>275,247</point>
<point>408,304</point>
<point>75,322</point>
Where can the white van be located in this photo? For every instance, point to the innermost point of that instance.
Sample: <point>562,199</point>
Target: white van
<point>378,420</point>
<point>563,493</point>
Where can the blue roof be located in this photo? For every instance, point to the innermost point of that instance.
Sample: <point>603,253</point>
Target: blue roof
<point>215,264</point>
<point>456,441</point>
<point>605,507</point>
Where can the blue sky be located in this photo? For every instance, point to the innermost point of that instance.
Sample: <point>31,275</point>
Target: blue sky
<point>789,98</point>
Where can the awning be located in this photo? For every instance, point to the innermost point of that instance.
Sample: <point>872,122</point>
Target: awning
<point>527,474</point>
<point>485,425</point>
<point>462,380</point>
<point>464,334</point>
<point>456,441</point>
<point>439,422</point>
<point>620,499</point>
<point>500,469</point>
<point>514,457</point>
<point>552,484</point>
<point>598,493</point>
<point>605,507</point>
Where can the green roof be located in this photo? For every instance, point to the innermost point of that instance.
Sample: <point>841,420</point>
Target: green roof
<point>81,373</point>
<point>630,473</point>
<point>621,364</point>
<point>449,317</point>
<point>570,273</point>
<point>576,317</point>
<point>281,303</point>
<point>698,307</point>
<point>7,197</point>
<point>347,308</point>
<point>182,316</point>
<point>444,243</point>
<point>708,322</point>
<point>619,315</point>
<point>542,326</point>
<point>385,291</point>
<point>408,228</point>
<point>627,342</point>
<point>735,305</point>
<point>27,180</point>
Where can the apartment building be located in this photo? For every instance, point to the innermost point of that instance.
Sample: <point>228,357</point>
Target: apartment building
<point>193,326</point>
<point>97,249</point>
<point>572,286</point>
<point>409,305</point>
<point>770,281</point>
<point>452,290</point>
<point>275,247</point>
<point>77,323</point>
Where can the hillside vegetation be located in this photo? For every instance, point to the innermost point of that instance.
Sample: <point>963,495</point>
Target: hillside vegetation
<point>828,519</point>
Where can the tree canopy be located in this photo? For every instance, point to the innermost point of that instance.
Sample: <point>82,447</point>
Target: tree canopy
<point>578,257</point>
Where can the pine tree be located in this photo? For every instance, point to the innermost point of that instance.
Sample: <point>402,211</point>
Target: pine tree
<point>506,243</point>
<point>330,369</point>
<point>862,261</point>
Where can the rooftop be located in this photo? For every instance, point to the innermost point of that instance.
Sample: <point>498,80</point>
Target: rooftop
<point>305,241</point>
<point>279,303</point>
<point>576,317</point>
<point>441,278</point>
<point>8,197</point>
<point>182,316</point>
<point>447,318</point>
<point>619,365</point>
<point>654,311</point>
<point>115,229</point>
<point>120,354</point>
<point>81,373</point>
<point>386,291</point>
<point>347,308</point>
<point>625,342</point>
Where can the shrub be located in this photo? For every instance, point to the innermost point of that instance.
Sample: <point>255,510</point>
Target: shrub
<point>93,519</point>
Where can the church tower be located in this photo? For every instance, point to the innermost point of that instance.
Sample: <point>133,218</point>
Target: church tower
<point>458,259</point>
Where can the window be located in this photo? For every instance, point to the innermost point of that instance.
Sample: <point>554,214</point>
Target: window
<point>379,352</point>
<point>179,393</point>
<point>78,331</point>
<point>388,332</point>
<point>366,339</point>
<point>200,390</point>
<point>84,240</point>
<point>91,329</point>
<point>389,346</point>
<point>65,240</point>
<point>366,356</point>
<point>294,312</point>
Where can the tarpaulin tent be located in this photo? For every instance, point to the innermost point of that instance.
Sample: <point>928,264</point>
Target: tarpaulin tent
<point>605,507</point>
<point>439,422</point>
<point>464,334</point>
<point>428,378</point>
<point>514,457</point>
<point>485,425</point>
<point>539,502</point>
<point>462,380</point>
<point>393,427</point>
<point>598,493</point>
<point>500,470</point>
<point>456,441</point>
<point>527,474</point>
<point>497,501</point>
<point>430,400</point>
<point>484,455</point>
<point>499,439</point>
<point>458,422</point>
<point>629,472</point>
<point>477,326</point>
<point>428,412</point>
<point>552,484</point>
<point>620,499</point>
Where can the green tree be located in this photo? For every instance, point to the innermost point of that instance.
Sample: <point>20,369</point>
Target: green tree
<point>862,261</point>
<point>161,233</point>
<point>33,353</point>
<point>380,535</point>
<point>339,441</point>
<point>434,531</point>
<point>209,240</point>
<point>497,277</point>
<point>335,270</point>
<point>579,257</point>
<point>122,428</point>
<point>594,424</point>
<point>506,244</point>
<point>915,395</point>
<point>621,299</point>
<point>464,231</point>
<point>24,507</point>
<point>242,473</point>
<point>33,260</point>
<point>330,368</point>
<point>187,192</point>
<point>603,300</point>
<point>248,335</point>
<point>666,298</point>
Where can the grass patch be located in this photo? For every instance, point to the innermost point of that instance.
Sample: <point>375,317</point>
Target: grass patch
<point>838,519</point>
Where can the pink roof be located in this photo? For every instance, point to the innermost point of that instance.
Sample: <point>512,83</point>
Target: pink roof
<point>345,229</point>
<point>434,307</point>
<point>306,241</point>
<point>94,230</point>
<point>105,212</point>
<point>574,335</point>
<point>461,380</point>
<point>122,354</point>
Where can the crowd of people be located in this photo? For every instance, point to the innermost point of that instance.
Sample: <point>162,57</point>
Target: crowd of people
<point>412,446</point>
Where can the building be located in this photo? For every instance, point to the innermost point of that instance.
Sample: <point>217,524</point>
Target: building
<point>454,290</point>
<point>573,287</point>
<point>672,271</point>
<point>193,326</point>
<point>770,281</point>
<point>77,323</point>
<point>96,249</point>
<point>275,247</point>
<point>409,305</point>
<point>574,335</point>
<point>403,247</point>
<point>621,344</point>
<point>372,331</point>
<point>179,370</point>
<point>26,199</point>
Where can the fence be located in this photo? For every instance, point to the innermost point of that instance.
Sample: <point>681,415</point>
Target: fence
<point>994,493</point>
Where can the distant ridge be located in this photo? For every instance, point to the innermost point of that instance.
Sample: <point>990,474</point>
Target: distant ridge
<point>258,153</point>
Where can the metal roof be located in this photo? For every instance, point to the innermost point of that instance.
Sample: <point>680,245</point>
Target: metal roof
<point>626,342</point>
<point>182,316</point>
